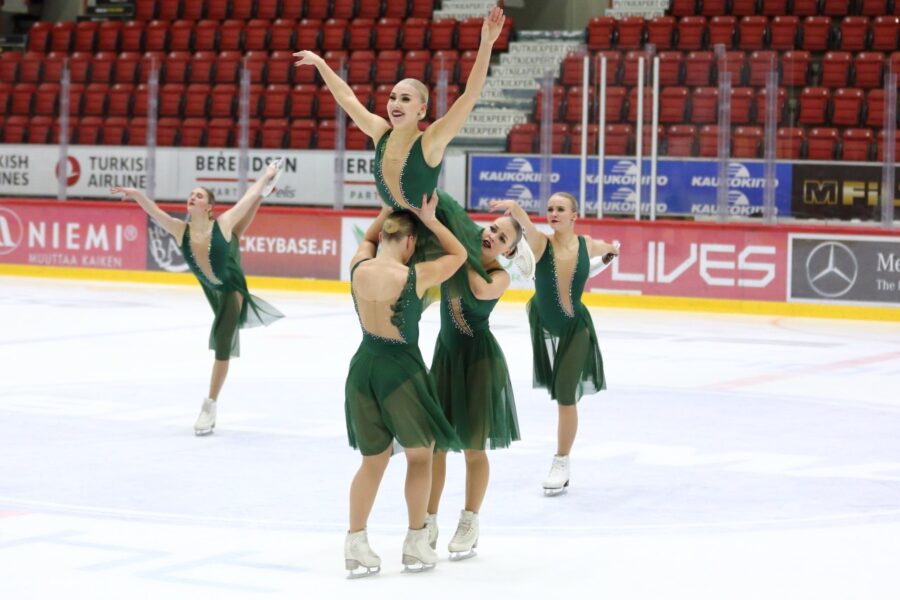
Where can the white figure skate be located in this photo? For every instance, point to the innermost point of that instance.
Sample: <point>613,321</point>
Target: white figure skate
<point>359,558</point>
<point>417,554</point>
<point>432,527</point>
<point>278,163</point>
<point>599,263</point>
<point>557,481</point>
<point>206,421</point>
<point>465,540</point>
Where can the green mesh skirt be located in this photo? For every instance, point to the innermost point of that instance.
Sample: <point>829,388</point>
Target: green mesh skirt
<point>475,391</point>
<point>390,395</point>
<point>568,365</point>
<point>235,309</point>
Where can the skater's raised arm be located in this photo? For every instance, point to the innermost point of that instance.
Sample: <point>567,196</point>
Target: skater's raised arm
<point>237,218</point>
<point>436,272</point>
<point>368,247</point>
<point>440,133</point>
<point>536,239</point>
<point>371,124</point>
<point>600,248</point>
<point>174,226</point>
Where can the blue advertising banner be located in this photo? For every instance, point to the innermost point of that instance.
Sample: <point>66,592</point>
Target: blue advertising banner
<point>684,187</point>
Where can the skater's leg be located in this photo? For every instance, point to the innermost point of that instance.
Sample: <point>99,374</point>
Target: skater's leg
<point>365,487</point>
<point>438,477</point>
<point>477,474</point>
<point>418,484</point>
<point>567,428</point>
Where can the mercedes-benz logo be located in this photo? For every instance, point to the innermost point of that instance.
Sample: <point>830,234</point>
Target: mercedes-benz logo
<point>831,269</point>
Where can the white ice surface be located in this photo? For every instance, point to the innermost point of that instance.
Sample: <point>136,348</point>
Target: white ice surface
<point>731,457</point>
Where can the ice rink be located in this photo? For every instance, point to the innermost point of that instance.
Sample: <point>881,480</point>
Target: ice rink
<point>731,457</point>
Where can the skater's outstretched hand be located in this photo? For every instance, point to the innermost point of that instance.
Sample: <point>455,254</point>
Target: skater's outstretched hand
<point>493,25</point>
<point>307,57</point>
<point>165,220</point>
<point>130,193</point>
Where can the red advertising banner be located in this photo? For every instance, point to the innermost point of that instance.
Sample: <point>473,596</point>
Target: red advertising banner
<point>55,234</point>
<point>288,243</point>
<point>698,261</point>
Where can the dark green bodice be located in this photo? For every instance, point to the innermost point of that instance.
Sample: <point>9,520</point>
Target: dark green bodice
<point>463,317</point>
<point>417,177</point>
<point>223,259</point>
<point>547,298</point>
<point>407,311</point>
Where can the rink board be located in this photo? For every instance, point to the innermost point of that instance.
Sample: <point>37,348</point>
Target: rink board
<point>851,272</point>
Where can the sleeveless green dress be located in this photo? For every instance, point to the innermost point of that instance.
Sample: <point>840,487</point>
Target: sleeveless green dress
<point>567,358</point>
<point>418,178</point>
<point>389,392</point>
<point>471,374</point>
<point>235,308</point>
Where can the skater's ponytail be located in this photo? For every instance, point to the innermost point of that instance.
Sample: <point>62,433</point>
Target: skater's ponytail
<point>398,225</point>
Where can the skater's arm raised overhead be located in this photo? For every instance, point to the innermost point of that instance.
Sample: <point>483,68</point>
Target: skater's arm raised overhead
<point>368,247</point>
<point>174,226</point>
<point>536,239</point>
<point>435,272</point>
<point>237,218</point>
<point>371,124</point>
<point>241,225</point>
<point>440,133</point>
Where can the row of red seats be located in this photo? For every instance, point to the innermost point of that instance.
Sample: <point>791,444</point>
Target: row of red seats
<point>748,33</point>
<point>281,34</point>
<point>297,134</point>
<point>815,106</point>
<point>686,140</point>
<point>698,68</point>
<point>194,100</point>
<point>803,8</point>
<point>269,9</point>
<point>364,66</point>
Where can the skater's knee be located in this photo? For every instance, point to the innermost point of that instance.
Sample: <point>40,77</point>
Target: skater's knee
<point>476,457</point>
<point>419,456</point>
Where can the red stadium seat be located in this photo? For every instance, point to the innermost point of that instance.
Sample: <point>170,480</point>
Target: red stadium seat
<point>789,142</point>
<point>704,105</point>
<point>39,36</point>
<point>814,106</point>
<point>308,34</point>
<point>868,69</point>
<point>45,99</point>
<point>712,8</point>
<point>631,33</point>
<point>301,134</point>
<point>466,62</point>
<point>670,67</point>
<point>683,8</point>
<point>217,9</point>
<point>746,142</point>
<point>795,67</point>
<point>661,32</point>
<point>442,34</point>
<point>708,146</point>
<point>62,35</point>
<point>256,35</point>
<point>87,131</point>
<point>692,33</point>
<point>396,9</point>
<point>780,103</point>
<point>835,8</point>
<point>761,63</point>
<point>673,104</point>
<point>698,68</point>
<point>281,69</point>
<point>613,67</point>
<point>881,146</point>
<point>886,33</point>
<point>601,33</point>
<point>86,36</point>
<point>631,65</point>
<point>176,66</point>
<point>875,109</point>
<point>615,104</point>
<point>822,143</point>
<point>415,64</point>
<point>206,35</point>
<point>281,36</point>
<point>574,106</point>
<point>784,32</point>
<point>522,138</point>
<point>361,34</point>
<point>275,104</point>
<point>228,67</point>
<point>743,8</point>
<point>361,66</point>
<point>387,34</point>
<point>805,8</point>
<point>835,69</point>
<point>847,107</point>
<point>773,8</point>
<point>856,144</point>
<point>816,33</point>
<point>680,140</point>
<point>335,34</point>
<point>120,99</point>
<point>854,33</point>
<point>743,101</point>
<point>753,32</point>
<point>274,133</point>
<point>156,36</point>
<point>722,30</point>
<point>303,101</point>
<point>108,36</point>
<point>181,36</point>
<point>446,60</point>
<point>113,132</point>
<point>387,67</point>
<point>414,34</point>
<point>132,36</point>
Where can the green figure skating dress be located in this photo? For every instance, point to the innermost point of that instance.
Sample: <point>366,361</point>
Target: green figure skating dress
<point>471,374</point>
<point>567,357</point>
<point>389,392</point>
<point>417,178</point>
<point>235,308</point>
